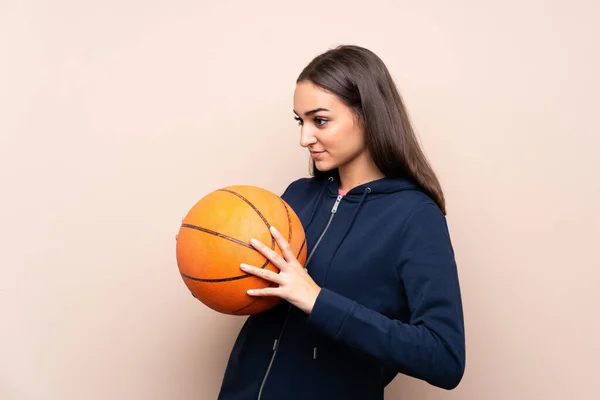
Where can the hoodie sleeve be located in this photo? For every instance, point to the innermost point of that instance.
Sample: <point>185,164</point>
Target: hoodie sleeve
<point>431,346</point>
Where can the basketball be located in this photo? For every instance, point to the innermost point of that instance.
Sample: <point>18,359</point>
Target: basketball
<point>214,239</point>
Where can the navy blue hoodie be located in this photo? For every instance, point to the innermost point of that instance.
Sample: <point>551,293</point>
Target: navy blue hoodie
<point>390,301</point>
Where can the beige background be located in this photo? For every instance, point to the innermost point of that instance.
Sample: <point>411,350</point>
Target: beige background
<point>116,116</point>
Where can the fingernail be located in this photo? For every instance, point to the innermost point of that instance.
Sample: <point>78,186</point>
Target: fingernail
<point>273,229</point>
<point>250,291</point>
<point>253,241</point>
<point>243,266</point>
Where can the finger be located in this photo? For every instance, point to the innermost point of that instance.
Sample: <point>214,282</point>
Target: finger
<point>270,291</point>
<point>261,273</point>
<point>272,255</point>
<point>284,246</point>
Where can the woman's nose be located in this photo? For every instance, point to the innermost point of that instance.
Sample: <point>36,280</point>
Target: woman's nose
<point>307,137</point>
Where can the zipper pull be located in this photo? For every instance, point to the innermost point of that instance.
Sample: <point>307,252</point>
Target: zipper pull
<point>337,203</point>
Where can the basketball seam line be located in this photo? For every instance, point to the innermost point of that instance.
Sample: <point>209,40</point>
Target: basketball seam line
<point>249,203</point>
<point>222,236</point>
<point>257,211</point>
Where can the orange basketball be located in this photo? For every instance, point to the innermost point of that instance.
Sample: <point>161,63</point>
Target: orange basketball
<point>214,239</point>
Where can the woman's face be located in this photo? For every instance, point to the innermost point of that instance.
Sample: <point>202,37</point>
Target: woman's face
<point>328,128</point>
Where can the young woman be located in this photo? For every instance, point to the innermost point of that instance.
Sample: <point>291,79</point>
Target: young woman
<point>380,294</point>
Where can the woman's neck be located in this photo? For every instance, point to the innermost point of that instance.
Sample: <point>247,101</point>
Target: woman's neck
<point>358,171</point>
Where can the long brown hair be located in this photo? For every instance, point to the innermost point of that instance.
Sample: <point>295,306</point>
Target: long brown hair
<point>362,81</point>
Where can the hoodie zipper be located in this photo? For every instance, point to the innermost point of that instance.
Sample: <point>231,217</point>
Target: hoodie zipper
<point>278,340</point>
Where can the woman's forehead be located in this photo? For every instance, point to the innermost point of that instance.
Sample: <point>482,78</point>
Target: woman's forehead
<point>309,98</point>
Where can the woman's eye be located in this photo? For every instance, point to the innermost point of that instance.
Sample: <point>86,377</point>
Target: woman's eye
<point>320,121</point>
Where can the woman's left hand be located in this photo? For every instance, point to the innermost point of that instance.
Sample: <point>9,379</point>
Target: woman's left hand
<point>294,283</point>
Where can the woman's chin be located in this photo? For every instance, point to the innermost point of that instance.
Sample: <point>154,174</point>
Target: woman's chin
<point>324,166</point>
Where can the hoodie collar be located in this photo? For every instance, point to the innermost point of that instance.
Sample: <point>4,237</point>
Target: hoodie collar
<point>375,188</point>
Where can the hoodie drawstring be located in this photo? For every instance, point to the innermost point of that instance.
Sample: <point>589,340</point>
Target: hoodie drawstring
<point>360,204</point>
<point>362,200</point>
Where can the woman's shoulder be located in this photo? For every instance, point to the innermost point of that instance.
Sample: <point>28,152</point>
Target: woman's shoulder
<point>411,206</point>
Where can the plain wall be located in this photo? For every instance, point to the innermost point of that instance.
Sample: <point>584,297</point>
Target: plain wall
<point>117,116</point>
